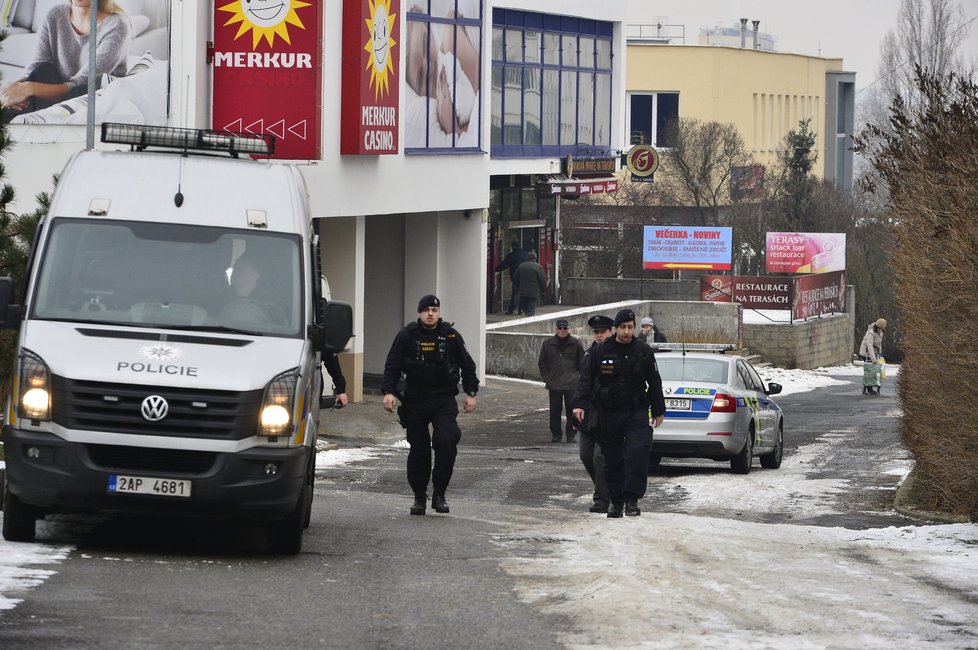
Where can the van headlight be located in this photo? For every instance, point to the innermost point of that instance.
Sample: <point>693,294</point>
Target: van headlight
<point>275,418</point>
<point>34,389</point>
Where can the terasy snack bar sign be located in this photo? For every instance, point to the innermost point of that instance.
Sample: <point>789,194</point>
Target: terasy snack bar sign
<point>268,72</point>
<point>370,77</point>
<point>681,247</point>
<point>805,252</point>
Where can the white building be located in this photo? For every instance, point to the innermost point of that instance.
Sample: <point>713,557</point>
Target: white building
<point>396,225</point>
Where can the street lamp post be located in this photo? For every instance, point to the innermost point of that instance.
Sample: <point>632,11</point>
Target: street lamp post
<point>90,122</point>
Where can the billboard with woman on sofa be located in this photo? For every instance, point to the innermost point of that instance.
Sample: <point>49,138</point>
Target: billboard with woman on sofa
<point>44,61</point>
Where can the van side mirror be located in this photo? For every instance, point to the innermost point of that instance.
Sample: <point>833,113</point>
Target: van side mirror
<point>10,315</point>
<point>337,327</point>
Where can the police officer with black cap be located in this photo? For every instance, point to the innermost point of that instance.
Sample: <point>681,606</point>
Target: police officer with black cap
<point>587,432</point>
<point>432,356</point>
<point>621,381</point>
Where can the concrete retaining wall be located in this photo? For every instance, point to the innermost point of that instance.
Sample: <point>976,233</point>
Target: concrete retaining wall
<point>513,347</point>
<point>587,291</point>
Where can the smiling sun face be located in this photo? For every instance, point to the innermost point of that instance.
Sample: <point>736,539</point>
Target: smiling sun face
<point>379,46</point>
<point>265,19</point>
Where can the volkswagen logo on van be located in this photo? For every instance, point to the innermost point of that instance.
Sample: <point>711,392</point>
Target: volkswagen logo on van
<point>154,408</point>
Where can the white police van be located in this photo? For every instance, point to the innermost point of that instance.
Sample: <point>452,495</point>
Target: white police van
<point>170,337</point>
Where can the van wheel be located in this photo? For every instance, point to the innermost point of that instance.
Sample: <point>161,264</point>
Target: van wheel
<point>310,480</point>
<point>19,519</point>
<point>284,537</point>
<point>773,460</point>
<point>740,464</point>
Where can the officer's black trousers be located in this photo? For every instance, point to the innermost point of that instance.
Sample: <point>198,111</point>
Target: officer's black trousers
<point>561,399</point>
<point>591,456</point>
<point>625,438</point>
<point>440,411</point>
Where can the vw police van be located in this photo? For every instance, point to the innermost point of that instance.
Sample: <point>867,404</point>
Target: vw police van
<point>170,337</point>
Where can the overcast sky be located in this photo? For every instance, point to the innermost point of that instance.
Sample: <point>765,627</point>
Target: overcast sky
<point>850,29</point>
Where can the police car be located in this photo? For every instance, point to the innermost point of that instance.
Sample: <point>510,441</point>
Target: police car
<point>718,407</point>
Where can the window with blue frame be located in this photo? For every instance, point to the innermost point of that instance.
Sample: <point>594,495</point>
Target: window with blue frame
<point>551,85</point>
<point>443,52</point>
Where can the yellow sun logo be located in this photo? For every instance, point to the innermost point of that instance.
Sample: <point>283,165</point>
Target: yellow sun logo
<point>265,19</point>
<point>380,45</point>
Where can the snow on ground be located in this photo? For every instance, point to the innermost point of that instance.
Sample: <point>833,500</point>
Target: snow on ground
<point>687,579</point>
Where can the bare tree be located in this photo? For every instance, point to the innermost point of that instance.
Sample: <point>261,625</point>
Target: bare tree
<point>696,172</point>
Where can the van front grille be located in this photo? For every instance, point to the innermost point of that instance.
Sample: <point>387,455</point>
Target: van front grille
<point>145,459</point>
<point>191,413</point>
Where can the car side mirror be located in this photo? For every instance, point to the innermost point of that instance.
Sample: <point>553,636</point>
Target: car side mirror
<point>10,315</point>
<point>337,327</point>
<point>773,389</point>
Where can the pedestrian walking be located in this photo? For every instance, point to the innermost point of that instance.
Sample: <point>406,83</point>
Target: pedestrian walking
<point>560,367</point>
<point>650,334</point>
<point>532,282</point>
<point>512,261</point>
<point>869,351</point>
<point>587,430</point>
<point>431,354</point>
<point>621,380</point>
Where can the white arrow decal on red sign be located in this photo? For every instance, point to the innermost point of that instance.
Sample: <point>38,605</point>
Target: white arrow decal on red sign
<point>261,127</point>
<point>277,129</point>
<point>233,126</point>
<point>299,129</point>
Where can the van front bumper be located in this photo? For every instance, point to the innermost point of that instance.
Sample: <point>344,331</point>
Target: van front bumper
<point>55,475</point>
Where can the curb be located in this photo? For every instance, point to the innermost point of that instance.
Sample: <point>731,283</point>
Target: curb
<point>902,499</point>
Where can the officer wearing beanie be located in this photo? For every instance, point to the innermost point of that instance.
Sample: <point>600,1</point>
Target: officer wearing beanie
<point>431,355</point>
<point>621,381</point>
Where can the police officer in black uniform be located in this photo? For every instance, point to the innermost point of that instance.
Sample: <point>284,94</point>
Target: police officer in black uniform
<point>621,380</point>
<point>587,431</point>
<point>432,356</point>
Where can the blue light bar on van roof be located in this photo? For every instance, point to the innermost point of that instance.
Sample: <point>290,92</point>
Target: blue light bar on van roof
<point>141,136</point>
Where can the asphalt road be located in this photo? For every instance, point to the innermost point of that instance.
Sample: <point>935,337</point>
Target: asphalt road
<point>370,575</point>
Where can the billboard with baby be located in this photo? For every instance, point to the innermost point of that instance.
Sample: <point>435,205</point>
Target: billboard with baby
<point>805,252</point>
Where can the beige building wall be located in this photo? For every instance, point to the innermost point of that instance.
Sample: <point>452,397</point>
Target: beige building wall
<point>765,94</point>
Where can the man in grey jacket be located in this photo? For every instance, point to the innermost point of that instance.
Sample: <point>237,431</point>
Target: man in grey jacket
<point>532,282</point>
<point>559,363</point>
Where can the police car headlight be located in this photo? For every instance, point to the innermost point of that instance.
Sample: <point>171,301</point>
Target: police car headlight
<point>34,388</point>
<point>275,417</point>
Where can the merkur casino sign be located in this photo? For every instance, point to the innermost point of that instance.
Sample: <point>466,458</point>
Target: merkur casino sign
<point>267,60</point>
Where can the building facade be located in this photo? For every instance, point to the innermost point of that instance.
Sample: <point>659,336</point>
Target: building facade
<point>405,157</point>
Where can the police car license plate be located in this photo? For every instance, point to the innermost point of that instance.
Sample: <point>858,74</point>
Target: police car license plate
<point>674,404</point>
<point>161,487</point>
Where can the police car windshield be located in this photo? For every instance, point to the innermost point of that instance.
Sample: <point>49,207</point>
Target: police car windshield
<point>170,276</point>
<point>711,371</point>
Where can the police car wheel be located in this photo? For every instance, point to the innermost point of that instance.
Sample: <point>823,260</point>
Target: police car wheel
<point>773,460</point>
<point>740,464</point>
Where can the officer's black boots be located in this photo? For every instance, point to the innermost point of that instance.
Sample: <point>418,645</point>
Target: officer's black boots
<point>632,509</point>
<point>599,506</point>
<point>439,504</point>
<point>420,504</point>
<point>614,511</point>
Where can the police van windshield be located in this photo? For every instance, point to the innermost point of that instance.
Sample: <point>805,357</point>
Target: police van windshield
<point>171,276</point>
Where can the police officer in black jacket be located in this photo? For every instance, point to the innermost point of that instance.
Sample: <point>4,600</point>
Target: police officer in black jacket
<point>589,450</point>
<point>432,356</point>
<point>621,380</point>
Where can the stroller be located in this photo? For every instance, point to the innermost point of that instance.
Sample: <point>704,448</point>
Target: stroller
<point>872,378</point>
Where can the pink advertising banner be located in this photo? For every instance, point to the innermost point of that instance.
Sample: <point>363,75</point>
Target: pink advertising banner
<point>805,252</point>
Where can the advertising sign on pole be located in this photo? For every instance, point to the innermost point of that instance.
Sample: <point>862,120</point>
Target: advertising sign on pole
<point>682,247</point>
<point>369,109</point>
<point>805,252</point>
<point>754,292</point>
<point>268,73</point>
<point>814,295</point>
